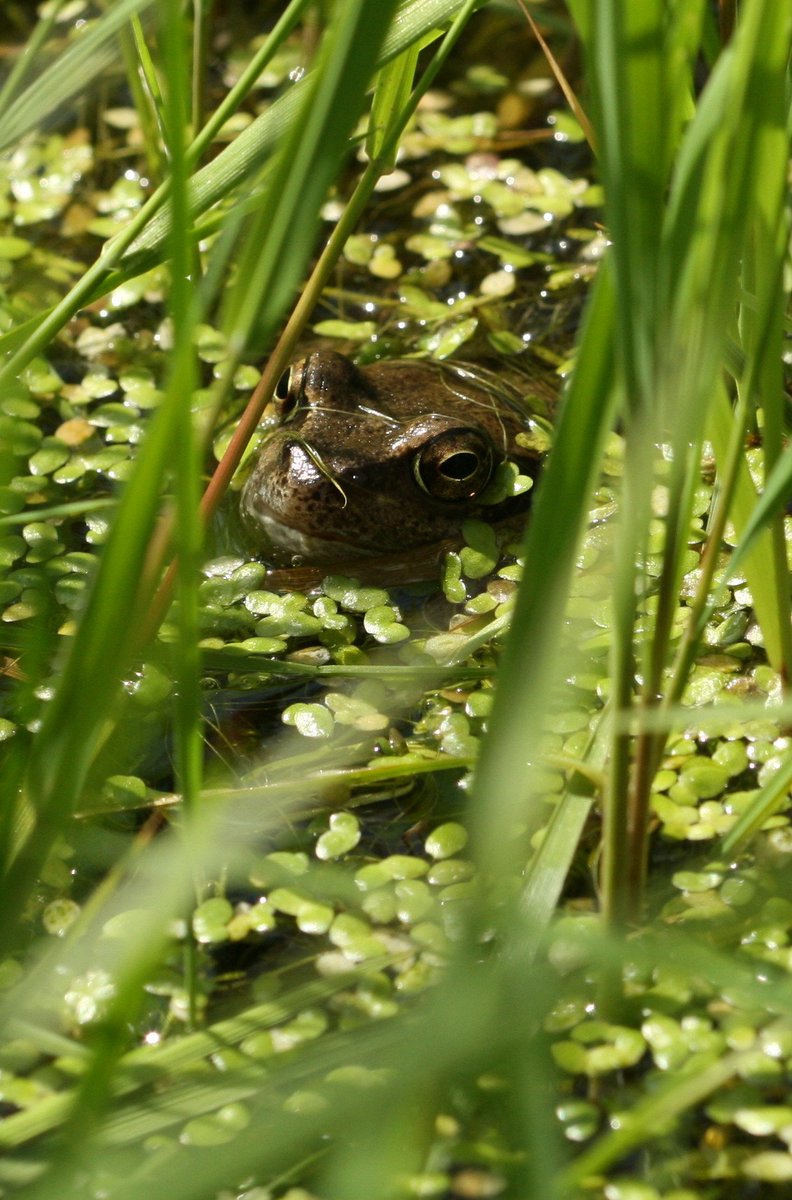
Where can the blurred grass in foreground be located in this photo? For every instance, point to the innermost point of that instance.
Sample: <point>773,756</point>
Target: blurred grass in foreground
<point>682,344</point>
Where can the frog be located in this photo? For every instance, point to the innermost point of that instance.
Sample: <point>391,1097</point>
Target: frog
<point>381,461</point>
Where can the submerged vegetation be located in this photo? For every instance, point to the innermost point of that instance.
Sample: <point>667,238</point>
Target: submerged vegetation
<point>316,886</point>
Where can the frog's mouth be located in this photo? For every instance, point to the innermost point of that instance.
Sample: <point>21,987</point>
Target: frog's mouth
<point>300,560</point>
<point>287,543</point>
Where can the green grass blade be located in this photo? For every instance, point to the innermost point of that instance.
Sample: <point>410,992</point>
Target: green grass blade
<point>280,240</point>
<point>502,782</point>
<point>148,75</point>
<point>90,54</point>
<point>144,242</point>
<point>773,500</point>
<point>548,870</point>
<point>773,796</point>
<point>635,144</point>
<point>715,189</point>
<point>73,722</point>
<point>391,91</point>
<point>751,515</point>
<point>25,340</point>
<point>243,158</point>
<point>25,60</point>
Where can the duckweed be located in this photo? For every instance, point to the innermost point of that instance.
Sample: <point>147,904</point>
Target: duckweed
<point>597,1048</point>
<point>454,589</point>
<point>311,720</point>
<point>59,916</point>
<point>770,1166</point>
<point>446,841</point>
<point>211,919</point>
<point>217,1128</point>
<point>480,554</point>
<point>380,905</point>
<point>383,623</point>
<point>71,436</point>
<point>341,837</point>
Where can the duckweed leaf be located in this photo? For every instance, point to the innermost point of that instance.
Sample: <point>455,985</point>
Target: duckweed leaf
<point>413,900</point>
<point>453,588</point>
<point>150,686</point>
<point>770,1166</point>
<point>20,437</point>
<point>449,871</point>
<point>215,1129</point>
<point>59,916</point>
<point>399,866</point>
<point>506,481</point>
<point>380,905</point>
<point>349,593</point>
<point>311,720</point>
<point>382,622</point>
<point>12,248</point>
<point>210,920</point>
<point>597,1048</point>
<point>353,710</point>
<point>479,556</point>
<point>446,840</point>
<point>313,917</point>
<point>47,460</point>
<point>704,776</point>
<point>444,342</point>
<point>358,331</point>
<point>278,867</point>
<point>342,836</point>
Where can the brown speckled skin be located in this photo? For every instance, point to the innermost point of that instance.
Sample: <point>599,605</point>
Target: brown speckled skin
<point>337,477</point>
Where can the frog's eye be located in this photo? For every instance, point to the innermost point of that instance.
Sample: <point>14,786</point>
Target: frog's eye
<point>286,394</point>
<point>455,465</point>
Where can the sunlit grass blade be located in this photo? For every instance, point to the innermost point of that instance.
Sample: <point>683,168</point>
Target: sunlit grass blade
<point>185,311</point>
<point>391,91</point>
<point>709,235</point>
<point>24,63</point>
<point>144,240</point>
<point>24,341</point>
<point>676,295</point>
<point>684,1091</point>
<point>141,99</point>
<point>245,155</point>
<point>549,868</point>
<point>150,83</point>
<point>707,223</point>
<point>637,123</point>
<point>503,779</point>
<point>284,235</point>
<point>90,54</point>
<point>636,142</point>
<point>72,727</point>
<point>770,798</point>
<point>751,515</point>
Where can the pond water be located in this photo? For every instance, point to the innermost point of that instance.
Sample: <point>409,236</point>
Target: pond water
<point>342,714</point>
